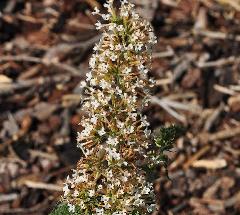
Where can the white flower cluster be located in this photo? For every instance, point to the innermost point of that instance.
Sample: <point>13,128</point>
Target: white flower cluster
<point>115,136</point>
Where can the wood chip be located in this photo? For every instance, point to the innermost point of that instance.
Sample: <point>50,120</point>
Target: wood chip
<point>210,164</point>
<point>5,79</point>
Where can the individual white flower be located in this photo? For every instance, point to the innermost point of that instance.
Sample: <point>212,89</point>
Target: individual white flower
<point>124,1</point>
<point>146,190</point>
<point>92,62</point>
<point>99,211</point>
<point>130,47</point>
<point>113,154</point>
<point>106,5</point>
<point>101,132</point>
<point>96,11</point>
<point>112,26</point>
<point>66,190</point>
<point>75,193</point>
<point>106,16</point>
<point>103,84</point>
<point>71,208</point>
<point>114,57</point>
<point>151,208</point>
<point>94,120</point>
<point>127,70</point>
<point>138,47</point>
<point>83,84</point>
<point>98,25</point>
<point>124,13</point>
<point>93,82</point>
<point>118,47</point>
<point>112,141</point>
<point>95,104</point>
<point>120,28</point>
<point>91,193</point>
<point>89,76</point>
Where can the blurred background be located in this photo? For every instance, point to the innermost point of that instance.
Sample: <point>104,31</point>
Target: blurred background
<point>44,53</point>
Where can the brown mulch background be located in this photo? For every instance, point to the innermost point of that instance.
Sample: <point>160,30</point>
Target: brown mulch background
<point>44,53</point>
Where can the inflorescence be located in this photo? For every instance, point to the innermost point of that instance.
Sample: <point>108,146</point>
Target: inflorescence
<point>115,139</point>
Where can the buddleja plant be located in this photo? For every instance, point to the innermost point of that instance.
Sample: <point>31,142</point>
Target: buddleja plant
<point>118,147</point>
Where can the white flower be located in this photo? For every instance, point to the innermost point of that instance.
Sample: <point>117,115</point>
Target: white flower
<point>113,154</point>
<point>151,208</point>
<point>120,28</point>
<point>98,25</point>
<point>112,26</point>
<point>103,84</point>
<point>124,13</point>
<point>112,141</point>
<point>95,104</point>
<point>101,132</point>
<point>106,5</point>
<point>105,199</point>
<point>120,124</point>
<point>83,84</point>
<point>124,1</point>
<point>114,57</point>
<point>106,16</point>
<point>91,193</point>
<point>71,208</point>
<point>66,190</point>
<point>89,76</point>
<point>99,211</point>
<point>146,190</point>
<point>96,11</point>
<point>92,62</point>
<point>145,71</point>
<point>119,91</point>
<point>130,47</point>
<point>75,193</point>
<point>118,47</point>
<point>103,67</point>
<point>93,82</point>
<point>127,70</point>
<point>138,47</point>
<point>94,120</point>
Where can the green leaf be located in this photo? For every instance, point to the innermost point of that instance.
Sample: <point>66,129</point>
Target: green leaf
<point>165,140</point>
<point>62,209</point>
<point>167,136</point>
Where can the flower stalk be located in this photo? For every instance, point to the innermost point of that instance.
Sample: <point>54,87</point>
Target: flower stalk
<point>110,178</point>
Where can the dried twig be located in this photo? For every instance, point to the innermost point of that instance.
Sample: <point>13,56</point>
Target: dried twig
<point>211,120</point>
<point>35,209</point>
<point>195,157</point>
<point>170,105</point>
<point>41,185</point>
<point>210,164</point>
<point>220,62</point>
<point>224,90</point>
<point>216,35</point>
<point>21,84</point>
<point>220,135</point>
<point>22,58</point>
<point>8,197</point>
<point>168,53</point>
<point>228,133</point>
<point>166,107</point>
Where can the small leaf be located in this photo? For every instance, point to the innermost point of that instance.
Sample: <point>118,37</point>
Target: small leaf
<point>165,141</point>
<point>62,209</point>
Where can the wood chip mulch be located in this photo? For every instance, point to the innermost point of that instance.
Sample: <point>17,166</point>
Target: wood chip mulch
<point>44,53</point>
